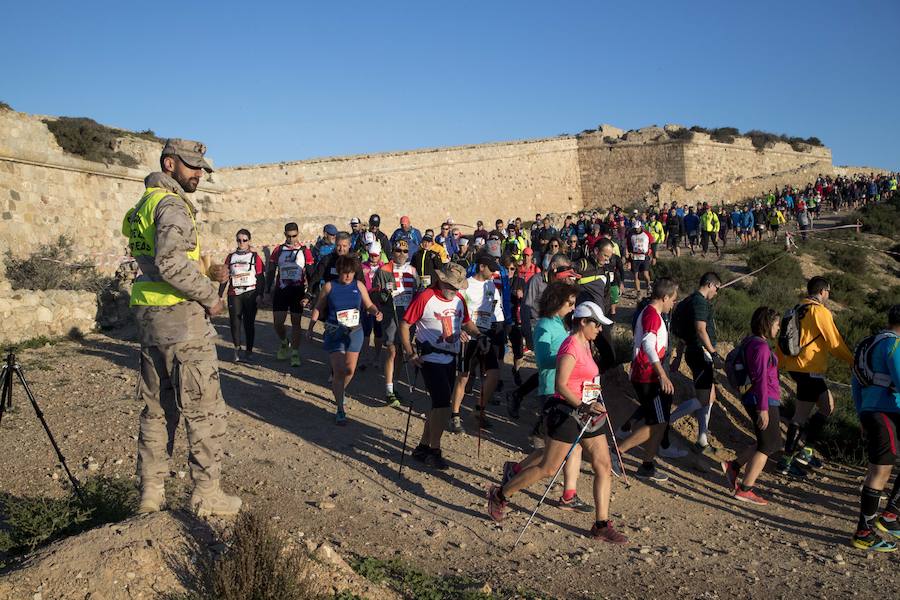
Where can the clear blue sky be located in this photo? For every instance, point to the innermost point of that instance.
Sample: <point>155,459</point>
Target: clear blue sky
<point>271,81</point>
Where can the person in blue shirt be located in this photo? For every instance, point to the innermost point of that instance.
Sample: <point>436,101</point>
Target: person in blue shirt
<point>692,228</point>
<point>737,219</point>
<point>747,224</point>
<point>409,233</point>
<point>878,406</point>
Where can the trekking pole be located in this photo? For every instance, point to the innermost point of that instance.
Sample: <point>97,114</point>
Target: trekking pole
<point>408,417</point>
<point>480,416</point>
<point>584,427</point>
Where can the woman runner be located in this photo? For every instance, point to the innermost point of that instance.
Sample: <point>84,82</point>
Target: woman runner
<point>245,269</point>
<point>577,382</point>
<point>343,301</point>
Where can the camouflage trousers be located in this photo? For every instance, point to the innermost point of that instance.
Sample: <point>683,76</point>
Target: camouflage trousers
<point>180,380</point>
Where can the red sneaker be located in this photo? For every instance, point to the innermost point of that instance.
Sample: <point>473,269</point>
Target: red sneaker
<point>496,507</point>
<point>608,534</point>
<point>751,497</point>
<point>731,474</point>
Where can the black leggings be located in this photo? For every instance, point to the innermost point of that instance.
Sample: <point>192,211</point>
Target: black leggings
<point>517,341</point>
<point>242,308</point>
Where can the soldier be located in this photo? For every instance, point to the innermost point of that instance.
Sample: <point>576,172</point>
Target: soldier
<point>173,302</point>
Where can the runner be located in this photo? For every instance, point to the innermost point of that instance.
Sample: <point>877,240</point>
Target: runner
<point>657,230</point>
<point>674,231</point>
<point>442,322</point>
<point>817,337</point>
<point>725,224</point>
<point>692,228</point>
<point>694,322</point>
<point>373,261</point>
<point>482,355</point>
<point>878,405</point>
<point>245,269</point>
<point>375,229</point>
<point>325,244</point>
<point>709,229</point>
<point>762,401</point>
<point>342,301</point>
<point>287,273</point>
<point>638,250</point>
<point>393,287</point>
<point>651,382</point>
<point>407,233</point>
<point>426,261</point>
<point>576,390</point>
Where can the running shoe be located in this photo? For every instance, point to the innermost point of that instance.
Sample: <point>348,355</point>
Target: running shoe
<point>731,474</point>
<point>436,461</point>
<point>790,468</point>
<point>672,451</point>
<point>608,534</point>
<point>283,350</point>
<point>750,496</point>
<point>867,539</point>
<point>420,452</point>
<point>576,504</point>
<point>392,400</point>
<point>484,423</point>
<point>890,527</point>
<point>707,450</point>
<point>807,458</point>
<point>513,402</point>
<point>517,378</point>
<point>340,417</point>
<point>496,507</point>
<point>237,354</point>
<point>295,358</point>
<point>617,468</point>
<point>651,473</point>
<point>456,425</point>
<point>509,471</point>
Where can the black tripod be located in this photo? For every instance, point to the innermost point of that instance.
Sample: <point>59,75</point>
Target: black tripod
<point>6,375</point>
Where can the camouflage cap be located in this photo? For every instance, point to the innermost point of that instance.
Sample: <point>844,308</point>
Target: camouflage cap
<point>188,151</point>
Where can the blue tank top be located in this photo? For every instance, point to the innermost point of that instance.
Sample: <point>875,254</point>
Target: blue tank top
<point>343,297</point>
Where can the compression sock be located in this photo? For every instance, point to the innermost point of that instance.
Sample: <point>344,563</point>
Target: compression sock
<point>790,440</point>
<point>568,495</point>
<point>814,428</point>
<point>868,508</point>
<point>389,388</point>
<point>684,409</point>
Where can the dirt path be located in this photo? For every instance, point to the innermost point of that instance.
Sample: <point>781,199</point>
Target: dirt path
<point>688,536</point>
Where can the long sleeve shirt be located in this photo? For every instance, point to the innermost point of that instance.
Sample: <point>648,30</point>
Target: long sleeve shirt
<point>819,337</point>
<point>762,368</point>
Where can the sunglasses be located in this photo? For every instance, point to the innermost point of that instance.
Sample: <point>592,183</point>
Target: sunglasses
<point>296,235</point>
<point>243,239</point>
<point>573,242</point>
<point>401,251</point>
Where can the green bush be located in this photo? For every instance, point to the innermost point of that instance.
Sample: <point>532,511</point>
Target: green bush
<point>52,266</point>
<point>92,141</point>
<point>681,134</point>
<point>411,583</point>
<point>726,135</point>
<point>687,272</point>
<point>29,522</point>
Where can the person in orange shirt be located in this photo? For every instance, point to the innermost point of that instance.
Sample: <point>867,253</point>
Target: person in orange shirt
<point>819,338</point>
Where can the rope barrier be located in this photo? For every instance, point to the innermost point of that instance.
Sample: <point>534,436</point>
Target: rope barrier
<point>750,274</point>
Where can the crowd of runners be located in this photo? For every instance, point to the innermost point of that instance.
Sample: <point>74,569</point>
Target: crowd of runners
<point>445,305</point>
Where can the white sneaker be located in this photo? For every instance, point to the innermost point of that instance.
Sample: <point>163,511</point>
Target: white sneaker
<point>672,451</point>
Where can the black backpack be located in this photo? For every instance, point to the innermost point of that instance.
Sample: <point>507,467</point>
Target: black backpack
<point>862,362</point>
<point>736,367</point>
<point>682,325</point>
<point>789,336</point>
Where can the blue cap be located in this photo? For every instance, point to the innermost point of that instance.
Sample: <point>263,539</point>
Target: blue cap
<point>330,229</point>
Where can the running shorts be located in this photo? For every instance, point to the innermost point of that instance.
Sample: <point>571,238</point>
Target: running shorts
<point>563,427</point>
<point>614,293</point>
<point>656,406</point>
<point>369,324</point>
<point>390,331</point>
<point>768,440</point>
<point>289,299</point>
<point>439,379</point>
<point>810,387</point>
<point>343,340</point>
<point>881,436</point>
<point>640,266</point>
<point>701,369</point>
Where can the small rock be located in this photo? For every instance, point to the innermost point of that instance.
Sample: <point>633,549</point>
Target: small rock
<point>644,550</point>
<point>325,505</point>
<point>181,474</point>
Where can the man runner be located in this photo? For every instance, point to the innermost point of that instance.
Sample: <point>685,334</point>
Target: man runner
<point>287,274</point>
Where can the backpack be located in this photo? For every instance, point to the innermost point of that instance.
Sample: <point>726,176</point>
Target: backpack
<point>862,362</point>
<point>682,325</point>
<point>789,336</point>
<point>736,367</point>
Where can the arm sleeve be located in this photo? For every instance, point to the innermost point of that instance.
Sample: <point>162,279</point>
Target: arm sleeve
<point>648,345</point>
<point>836,345</point>
<point>175,237</point>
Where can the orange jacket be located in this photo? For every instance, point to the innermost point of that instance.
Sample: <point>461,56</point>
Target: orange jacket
<point>819,337</point>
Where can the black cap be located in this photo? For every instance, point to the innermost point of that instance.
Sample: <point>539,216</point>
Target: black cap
<point>489,261</point>
<point>427,238</point>
<point>374,221</point>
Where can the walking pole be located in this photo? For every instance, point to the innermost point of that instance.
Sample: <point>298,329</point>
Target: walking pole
<point>408,417</point>
<point>587,424</point>
<point>480,415</point>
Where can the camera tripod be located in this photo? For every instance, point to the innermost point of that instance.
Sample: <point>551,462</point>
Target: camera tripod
<point>10,368</point>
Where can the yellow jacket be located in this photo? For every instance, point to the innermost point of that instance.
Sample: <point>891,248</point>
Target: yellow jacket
<point>819,337</point>
<point>659,232</point>
<point>709,221</point>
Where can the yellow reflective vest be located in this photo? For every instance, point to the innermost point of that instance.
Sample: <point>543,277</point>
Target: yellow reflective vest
<point>140,228</point>
<point>709,221</point>
<point>657,230</point>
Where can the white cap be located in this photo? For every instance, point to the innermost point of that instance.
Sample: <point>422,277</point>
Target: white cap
<point>590,310</point>
<point>374,249</point>
<point>479,241</point>
<point>636,224</point>
<point>368,238</point>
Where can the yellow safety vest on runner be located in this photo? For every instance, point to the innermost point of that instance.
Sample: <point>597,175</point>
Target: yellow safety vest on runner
<point>140,228</point>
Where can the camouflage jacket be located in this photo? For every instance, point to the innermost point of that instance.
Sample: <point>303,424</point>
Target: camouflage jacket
<point>175,236</point>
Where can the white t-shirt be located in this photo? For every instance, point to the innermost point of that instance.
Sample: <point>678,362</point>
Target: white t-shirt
<point>242,270</point>
<point>438,322</point>
<point>484,303</point>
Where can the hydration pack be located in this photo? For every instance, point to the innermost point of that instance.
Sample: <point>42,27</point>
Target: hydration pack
<point>862,362</point>
<point>736,367</point>
<point>789,336</point>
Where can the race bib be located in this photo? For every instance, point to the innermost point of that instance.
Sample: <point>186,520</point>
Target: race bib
<point>483,319</point>
<point>290,273</point>
<point>590,391</point>
<point>640,256</point>
<point>242,280</point>
<point>348,318</point>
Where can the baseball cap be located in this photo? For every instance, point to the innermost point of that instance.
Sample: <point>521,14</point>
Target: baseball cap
<point>330,229</point>
<point>463,242</point>
<point>401,245</point>
<point>354,221</point>
<point>404,220</point>
<point>374,248</point>
<point>368,238</point>
<point>590,310</point>
<point>190,152</point>
<point>489,261</point>
<point>511,227</point>
<point>374,221</point>
<point>636,224</point>
<point>427,238</point>
<point>528,250</point>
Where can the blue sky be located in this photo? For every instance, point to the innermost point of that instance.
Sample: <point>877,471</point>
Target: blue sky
<point>278,81</point>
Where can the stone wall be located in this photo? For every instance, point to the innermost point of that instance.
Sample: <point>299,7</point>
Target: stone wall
<point>26,314</point>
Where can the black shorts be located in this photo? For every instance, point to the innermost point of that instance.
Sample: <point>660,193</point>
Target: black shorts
<point>487,362</point>
<point>289,299</point>
<point>640,266</point>
<point>809,388</point>
<point>881,436</point>
<point>439,380</point>
<point>768,440</point>
<point>562,427</point>
<point>673,240</point>
<point>656,406</point>
<point>702,370</point>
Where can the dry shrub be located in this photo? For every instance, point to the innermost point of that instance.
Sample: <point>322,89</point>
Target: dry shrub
<point>53,267</point>
<point>257,565</point>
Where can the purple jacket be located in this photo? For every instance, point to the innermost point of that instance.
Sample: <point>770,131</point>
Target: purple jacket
<point>762,366</point>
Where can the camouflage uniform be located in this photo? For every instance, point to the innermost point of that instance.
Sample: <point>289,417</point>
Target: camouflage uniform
<point>177,346</point>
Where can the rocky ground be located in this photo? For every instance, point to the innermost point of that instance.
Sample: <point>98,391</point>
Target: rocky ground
<point>339,485</point>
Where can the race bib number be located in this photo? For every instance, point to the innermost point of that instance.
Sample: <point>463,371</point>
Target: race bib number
<point>426,280</point>
<point>483,319</point>
<point>640,256</point>
<point>291,273</point>
<point>348,318</point>
<point>242,280</point>
<point>590,391</point>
